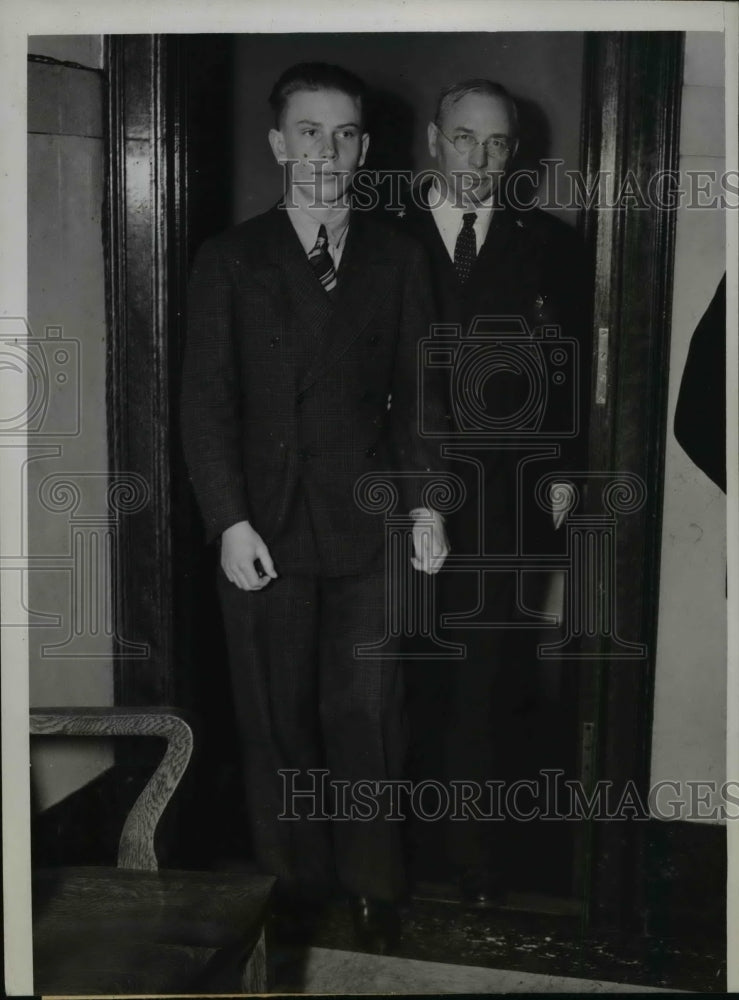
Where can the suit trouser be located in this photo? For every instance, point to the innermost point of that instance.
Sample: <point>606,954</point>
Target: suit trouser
<point>304,701</point>
<point>478,688</point>
<point>476,709</point>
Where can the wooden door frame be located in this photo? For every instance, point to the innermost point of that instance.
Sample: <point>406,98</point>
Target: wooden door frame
<point>146,248</point>
<point>632,79</point>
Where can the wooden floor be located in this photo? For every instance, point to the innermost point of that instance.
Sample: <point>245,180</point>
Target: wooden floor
<point>501,948</point>
<point>321,970</point>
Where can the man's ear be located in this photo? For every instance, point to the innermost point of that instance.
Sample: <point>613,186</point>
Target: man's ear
<point>433,136</point>
<point>277,142</point>
<point>365,147</point>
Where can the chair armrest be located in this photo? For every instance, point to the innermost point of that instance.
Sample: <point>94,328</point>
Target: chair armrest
<point>136,846</point>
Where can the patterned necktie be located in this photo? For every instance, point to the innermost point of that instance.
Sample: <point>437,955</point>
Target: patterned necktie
<point>465,249</point>
<point>321,261</point>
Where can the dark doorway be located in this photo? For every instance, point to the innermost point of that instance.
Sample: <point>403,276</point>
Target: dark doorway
<point>177,103</point>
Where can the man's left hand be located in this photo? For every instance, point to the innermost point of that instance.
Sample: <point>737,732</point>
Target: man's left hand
<point>430,544</point>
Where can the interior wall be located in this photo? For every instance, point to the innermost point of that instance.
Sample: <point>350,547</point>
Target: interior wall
<point>689,732</point>
<point>543,71</point>
<point>69,578</point>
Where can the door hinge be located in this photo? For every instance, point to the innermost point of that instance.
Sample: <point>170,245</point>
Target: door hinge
<point>601,372</point>
<point>587,754</point>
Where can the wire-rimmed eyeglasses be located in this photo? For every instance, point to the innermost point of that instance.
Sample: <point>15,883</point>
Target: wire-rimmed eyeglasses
<point>496,146</point>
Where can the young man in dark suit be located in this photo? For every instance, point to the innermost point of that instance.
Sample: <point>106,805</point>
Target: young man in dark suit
<point>496,264</point>
<point>300,376</point>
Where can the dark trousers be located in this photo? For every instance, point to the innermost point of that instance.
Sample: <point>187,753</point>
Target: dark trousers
<point>477,709</point>
<point>303,701</point>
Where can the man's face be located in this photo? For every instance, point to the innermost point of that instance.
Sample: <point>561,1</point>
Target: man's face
<point>471,176</point>
<point>321,131</point>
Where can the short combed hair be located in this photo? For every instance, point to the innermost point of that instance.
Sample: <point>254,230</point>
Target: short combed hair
<point>450,95</point>
<point>315,76</point>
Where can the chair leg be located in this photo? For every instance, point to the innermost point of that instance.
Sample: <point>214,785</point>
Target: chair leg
<point>254,976</point>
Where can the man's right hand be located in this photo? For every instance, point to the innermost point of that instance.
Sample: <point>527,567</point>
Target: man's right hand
<point>241,546</point>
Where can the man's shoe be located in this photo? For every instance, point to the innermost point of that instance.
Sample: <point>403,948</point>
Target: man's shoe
<point>481,889</point>
<point>376,924</point>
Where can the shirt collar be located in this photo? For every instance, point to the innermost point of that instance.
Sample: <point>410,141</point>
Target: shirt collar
<point>308,220</point>
<point>436,201</point>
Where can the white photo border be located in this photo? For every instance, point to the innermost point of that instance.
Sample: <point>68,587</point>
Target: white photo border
<point>20,18</point>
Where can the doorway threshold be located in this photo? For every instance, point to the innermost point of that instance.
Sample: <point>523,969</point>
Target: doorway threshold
<point>519,902</point>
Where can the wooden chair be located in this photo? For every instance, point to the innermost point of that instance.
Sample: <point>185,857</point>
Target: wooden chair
<point>134,928</point>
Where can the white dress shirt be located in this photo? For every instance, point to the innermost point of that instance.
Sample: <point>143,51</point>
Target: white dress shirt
<point>448,218</point>
<point>307,221</point>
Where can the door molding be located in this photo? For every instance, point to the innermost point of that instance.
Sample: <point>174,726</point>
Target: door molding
<point>633,84</point>
<point>145,224</point>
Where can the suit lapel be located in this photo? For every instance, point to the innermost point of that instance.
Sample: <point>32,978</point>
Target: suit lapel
<point>494,258</point>
<point>363,273</point>
<point>284,254</point>
<point>422,221</point>
<point>498,256</point>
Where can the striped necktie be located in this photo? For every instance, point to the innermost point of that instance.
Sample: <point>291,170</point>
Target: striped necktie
<point>321,261</point>
<point>465,249</point>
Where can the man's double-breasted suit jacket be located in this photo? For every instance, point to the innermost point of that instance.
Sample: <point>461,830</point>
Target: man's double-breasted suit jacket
<point>289,396</point>
<point>530,268</point>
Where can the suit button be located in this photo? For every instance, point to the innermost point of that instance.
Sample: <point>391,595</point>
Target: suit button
<point>371,452</point>
<point>274,341</point>
<point>374,338</point>
<point>304,454</point>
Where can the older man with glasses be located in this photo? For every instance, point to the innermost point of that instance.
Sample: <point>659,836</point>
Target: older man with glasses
<point>493,263</point>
